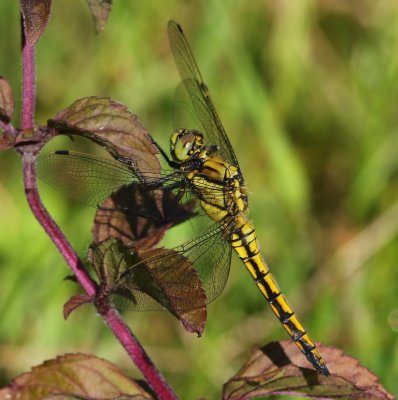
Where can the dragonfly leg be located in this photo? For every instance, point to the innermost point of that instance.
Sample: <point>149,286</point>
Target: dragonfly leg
<point>171,163</point>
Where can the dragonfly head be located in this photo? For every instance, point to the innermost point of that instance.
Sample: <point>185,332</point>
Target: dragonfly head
<point>184,144</point>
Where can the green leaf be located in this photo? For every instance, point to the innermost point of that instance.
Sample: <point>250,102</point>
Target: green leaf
<point>111,125</point>
<point>100,10</point>
<point>110,259</point>
<point>74,376</point>
<point>35,14</point>
<point>279,368</point>
<point>6,101</point>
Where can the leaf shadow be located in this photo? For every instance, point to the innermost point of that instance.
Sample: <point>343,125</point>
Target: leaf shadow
<point>275,352</point>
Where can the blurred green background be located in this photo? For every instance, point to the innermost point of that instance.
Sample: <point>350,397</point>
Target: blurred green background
<point>308,92</point>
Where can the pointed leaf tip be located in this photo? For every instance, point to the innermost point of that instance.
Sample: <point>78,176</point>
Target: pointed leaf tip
<point>75,302</point>
<point>279,368</point>
<point>35,14</point>
<point>100,10</point>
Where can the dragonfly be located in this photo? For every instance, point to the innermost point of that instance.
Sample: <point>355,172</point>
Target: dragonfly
<point>203,170</point>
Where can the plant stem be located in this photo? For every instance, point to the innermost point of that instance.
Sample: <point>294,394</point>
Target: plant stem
<point>111,317</point>
<point>137,353</point>
<point>30,182</point>
<point>52,229</point>
<point>28,84</point>
<point>130,343</point>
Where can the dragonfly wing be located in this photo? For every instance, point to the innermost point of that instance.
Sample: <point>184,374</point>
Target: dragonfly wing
<point>213,262</point>
<point>199,93</point>
<point>184,113</point>
<point>181,279</point>
<point>85,177</point>
<point>93,179</point>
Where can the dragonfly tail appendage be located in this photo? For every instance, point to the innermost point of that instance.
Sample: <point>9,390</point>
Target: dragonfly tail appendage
<point>244,241</point>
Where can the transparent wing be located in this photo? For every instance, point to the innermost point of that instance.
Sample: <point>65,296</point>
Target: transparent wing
<point>204,259</point>
<point>199,94</point>
<point>92,180</point>
<point>169,274</point>
<point>84,177</point>
<point>168,278</point>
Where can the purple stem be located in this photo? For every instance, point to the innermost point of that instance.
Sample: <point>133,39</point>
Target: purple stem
<point>52,228</point>
<point>111,317</point>
<point>28,85</point>
<point>138,355</point>
<point>27,122</point>
<point>130,343</point>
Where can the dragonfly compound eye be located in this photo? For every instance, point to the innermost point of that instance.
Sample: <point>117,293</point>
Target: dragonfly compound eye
<point>183,144</point>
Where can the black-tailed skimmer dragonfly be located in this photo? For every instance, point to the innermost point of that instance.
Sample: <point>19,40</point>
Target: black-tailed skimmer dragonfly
<point>203,169</point>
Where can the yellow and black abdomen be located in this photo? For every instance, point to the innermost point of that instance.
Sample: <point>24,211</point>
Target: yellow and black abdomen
<point>243,239</point>
<point>223,197</point>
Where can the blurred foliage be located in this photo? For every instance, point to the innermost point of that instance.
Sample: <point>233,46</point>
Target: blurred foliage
<point>308,93</point>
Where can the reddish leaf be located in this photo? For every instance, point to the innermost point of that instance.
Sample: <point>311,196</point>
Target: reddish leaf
<point>6,100</point>
<point>279,368</point>
<point>111,125</point>
<point>174,283</point>
<point>100,10</point>
<point>148,280</point>
<point>36,14</point>
<point>75,302</point>
<point>73,376</point>
<point>6,141</point>
<point>135,231</point>
<point>114,127</point>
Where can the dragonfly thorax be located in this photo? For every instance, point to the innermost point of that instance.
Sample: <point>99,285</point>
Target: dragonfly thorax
<point>185,144</point>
